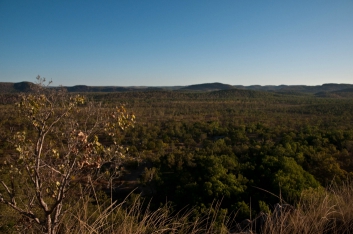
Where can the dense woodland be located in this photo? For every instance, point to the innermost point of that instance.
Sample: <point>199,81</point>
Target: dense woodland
<point>247,149</point>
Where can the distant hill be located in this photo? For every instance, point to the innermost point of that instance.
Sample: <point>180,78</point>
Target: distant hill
<point>298,88</point>
<point>7,87</point>
<point>349,90</point>
<point>208,87</point>
<point>344,93</point>
<point>261,88</point>
<point>85,88</point>
<point>325,90</point>
<point>231,93</point>
<point>23,86</point>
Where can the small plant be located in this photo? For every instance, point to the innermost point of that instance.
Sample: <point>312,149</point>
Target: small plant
<point>58,146</point>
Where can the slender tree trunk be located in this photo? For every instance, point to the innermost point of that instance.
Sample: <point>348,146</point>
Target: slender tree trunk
<point>49,225</point>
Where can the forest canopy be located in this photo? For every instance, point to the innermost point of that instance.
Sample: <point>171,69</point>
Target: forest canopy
<point>247,149</point>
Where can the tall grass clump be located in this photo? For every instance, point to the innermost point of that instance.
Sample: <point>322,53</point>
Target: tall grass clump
<point>320,210</point>
<point>96,214</point>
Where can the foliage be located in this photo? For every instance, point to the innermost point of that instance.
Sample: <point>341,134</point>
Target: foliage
<point>57,150</point>
<point>249,150</point>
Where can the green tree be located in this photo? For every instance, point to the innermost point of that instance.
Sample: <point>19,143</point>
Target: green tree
<point>292,179</point>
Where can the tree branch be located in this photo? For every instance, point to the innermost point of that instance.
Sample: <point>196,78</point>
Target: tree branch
<point>22,212</point>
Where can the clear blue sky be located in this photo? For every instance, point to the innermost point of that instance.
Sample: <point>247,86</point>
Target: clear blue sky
<point>179,42</point>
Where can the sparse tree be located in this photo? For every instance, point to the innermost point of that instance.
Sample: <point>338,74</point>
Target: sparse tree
<point>58,146</point>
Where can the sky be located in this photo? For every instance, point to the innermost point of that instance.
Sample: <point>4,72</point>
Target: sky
<point>179,42</point>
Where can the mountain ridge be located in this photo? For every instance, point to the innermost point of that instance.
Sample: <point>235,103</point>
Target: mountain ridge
<point>320,90</point>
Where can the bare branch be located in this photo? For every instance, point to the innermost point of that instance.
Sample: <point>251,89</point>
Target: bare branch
<point>53,169</point>
<point>6,188</point>
<point>22,212</point>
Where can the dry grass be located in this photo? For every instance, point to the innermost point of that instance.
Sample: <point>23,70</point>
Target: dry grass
<point>318,211</point>
<point>132,216</point>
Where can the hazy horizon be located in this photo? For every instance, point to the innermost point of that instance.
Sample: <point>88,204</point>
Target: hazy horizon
<point>177,43</point>
<point>142,86</point>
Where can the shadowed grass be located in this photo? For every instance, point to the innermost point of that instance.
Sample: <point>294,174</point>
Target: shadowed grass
<point>318,211</point>
<point>135,218</point>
